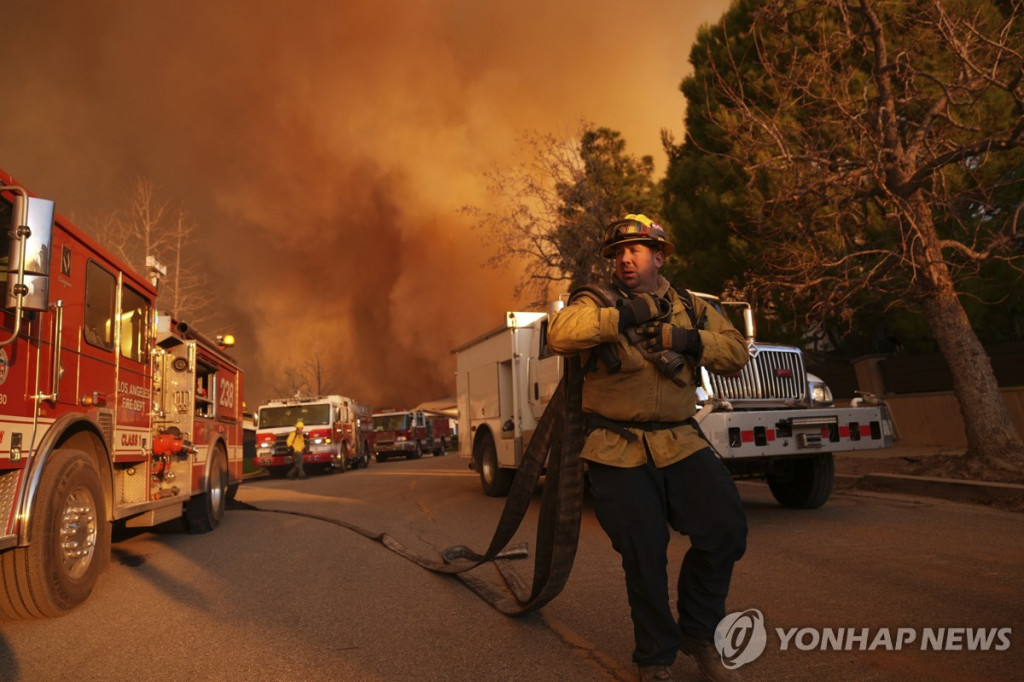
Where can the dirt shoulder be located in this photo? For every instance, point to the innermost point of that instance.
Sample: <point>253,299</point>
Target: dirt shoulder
<point>931,472</point>
<point>918,461</point>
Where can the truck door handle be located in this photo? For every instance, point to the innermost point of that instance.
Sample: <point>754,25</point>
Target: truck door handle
<point>536,390</point>
<point>58,327</point>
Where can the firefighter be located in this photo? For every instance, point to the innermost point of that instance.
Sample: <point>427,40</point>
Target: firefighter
<point>296,442</point>
<point>641,343</point>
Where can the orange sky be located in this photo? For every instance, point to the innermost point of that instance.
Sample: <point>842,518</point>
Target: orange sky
<point>324,149</point>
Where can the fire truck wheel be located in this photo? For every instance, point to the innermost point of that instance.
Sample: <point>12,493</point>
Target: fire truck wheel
<point>417,453</point>
<point>803,482</point>
<point>495,481</point>
<point>70,537</point>
<point>204,512</point>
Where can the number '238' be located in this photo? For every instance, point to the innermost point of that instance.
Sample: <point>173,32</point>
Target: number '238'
<point>227,393</point>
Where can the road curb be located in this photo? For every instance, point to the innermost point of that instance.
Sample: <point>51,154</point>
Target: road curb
<point>957,490</point>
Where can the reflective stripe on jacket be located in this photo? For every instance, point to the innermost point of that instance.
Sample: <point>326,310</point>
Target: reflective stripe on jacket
<point>638,392</point>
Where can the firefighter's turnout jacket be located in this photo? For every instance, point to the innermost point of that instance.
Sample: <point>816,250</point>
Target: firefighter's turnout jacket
<point>296,441</point>
<point>638,392</point>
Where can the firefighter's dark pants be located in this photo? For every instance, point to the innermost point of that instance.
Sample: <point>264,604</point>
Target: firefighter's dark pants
<point>297,469</point>
<point>695,496</point>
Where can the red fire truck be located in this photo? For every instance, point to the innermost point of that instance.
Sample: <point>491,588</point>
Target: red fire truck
<point>410,433</point>
<point>338,429</point>
<point>108,411</point>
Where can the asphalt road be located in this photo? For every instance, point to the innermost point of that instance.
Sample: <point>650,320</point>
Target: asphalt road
<point>276,595</point>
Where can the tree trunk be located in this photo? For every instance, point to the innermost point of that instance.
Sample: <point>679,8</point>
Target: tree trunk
<point>992,440</point>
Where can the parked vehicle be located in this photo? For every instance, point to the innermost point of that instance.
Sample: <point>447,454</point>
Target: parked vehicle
<point>109,411</point>
<point>409,433</point>
<point>339,430</point>
<point>773,420</point>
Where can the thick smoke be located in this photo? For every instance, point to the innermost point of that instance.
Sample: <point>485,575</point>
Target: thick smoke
<point>324,149</point>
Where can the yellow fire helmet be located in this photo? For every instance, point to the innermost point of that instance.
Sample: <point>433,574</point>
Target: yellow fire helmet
<point>299,425</point>
<point>635,227</point>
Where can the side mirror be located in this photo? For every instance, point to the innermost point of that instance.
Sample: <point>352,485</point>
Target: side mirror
<point>28,279</point>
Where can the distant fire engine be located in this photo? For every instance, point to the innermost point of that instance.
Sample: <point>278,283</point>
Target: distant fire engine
<point>108,411</point>
<point>410,433</point>
<point>338,428</point>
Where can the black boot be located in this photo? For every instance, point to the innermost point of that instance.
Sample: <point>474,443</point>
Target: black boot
<point>708,660</point>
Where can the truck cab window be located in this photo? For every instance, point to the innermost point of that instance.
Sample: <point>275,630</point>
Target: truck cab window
<point>205,383</point>
<point>134,325</point>
<point>98,325</point>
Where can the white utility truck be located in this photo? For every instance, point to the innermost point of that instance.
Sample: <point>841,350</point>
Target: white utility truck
<point>772,421</point>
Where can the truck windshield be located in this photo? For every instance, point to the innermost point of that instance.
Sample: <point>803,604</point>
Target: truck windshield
<point>391,422</point>
<point>287,415</point>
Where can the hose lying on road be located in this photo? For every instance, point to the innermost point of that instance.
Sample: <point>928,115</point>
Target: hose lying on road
<point>558,441</point>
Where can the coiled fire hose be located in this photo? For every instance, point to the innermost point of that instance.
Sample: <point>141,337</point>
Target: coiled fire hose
<point>557,440</point>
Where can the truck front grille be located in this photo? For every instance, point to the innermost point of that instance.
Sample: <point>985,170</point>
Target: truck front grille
<point>774,374</point>
<point>280,445</point>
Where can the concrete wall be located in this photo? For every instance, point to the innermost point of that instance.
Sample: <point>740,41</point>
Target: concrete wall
<point>933,418</point>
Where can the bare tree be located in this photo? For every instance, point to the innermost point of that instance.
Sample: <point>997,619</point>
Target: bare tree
<point>136,231</point>
<point>553,207</point>
<point>141,230</point>
<point>184,291</point>
<point>318,369</point>
<point>313,374</point>
<point>295,382</point>
<point>881,146</point>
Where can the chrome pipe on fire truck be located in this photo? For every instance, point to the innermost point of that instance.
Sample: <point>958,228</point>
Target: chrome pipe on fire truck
<point>749,326</point>
<point>748,322</point>
<point>29,258</point>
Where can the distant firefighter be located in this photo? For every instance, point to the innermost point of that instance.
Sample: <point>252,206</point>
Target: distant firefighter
<point>297,446</point>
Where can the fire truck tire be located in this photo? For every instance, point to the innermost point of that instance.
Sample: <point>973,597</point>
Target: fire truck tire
<point>495,481</point>
<point>204,512</point>
<point>803,482</point>
<point>417,453</point>
<point>70,537</point>
<point>441,447</point>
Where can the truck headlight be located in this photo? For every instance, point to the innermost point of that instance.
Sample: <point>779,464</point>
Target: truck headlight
<point>821,394</point>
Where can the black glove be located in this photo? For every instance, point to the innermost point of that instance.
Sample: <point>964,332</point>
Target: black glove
<point>641,308</point>
<point>660,336</point>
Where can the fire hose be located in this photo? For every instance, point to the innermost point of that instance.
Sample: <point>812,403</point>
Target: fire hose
<point>557,440</point>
